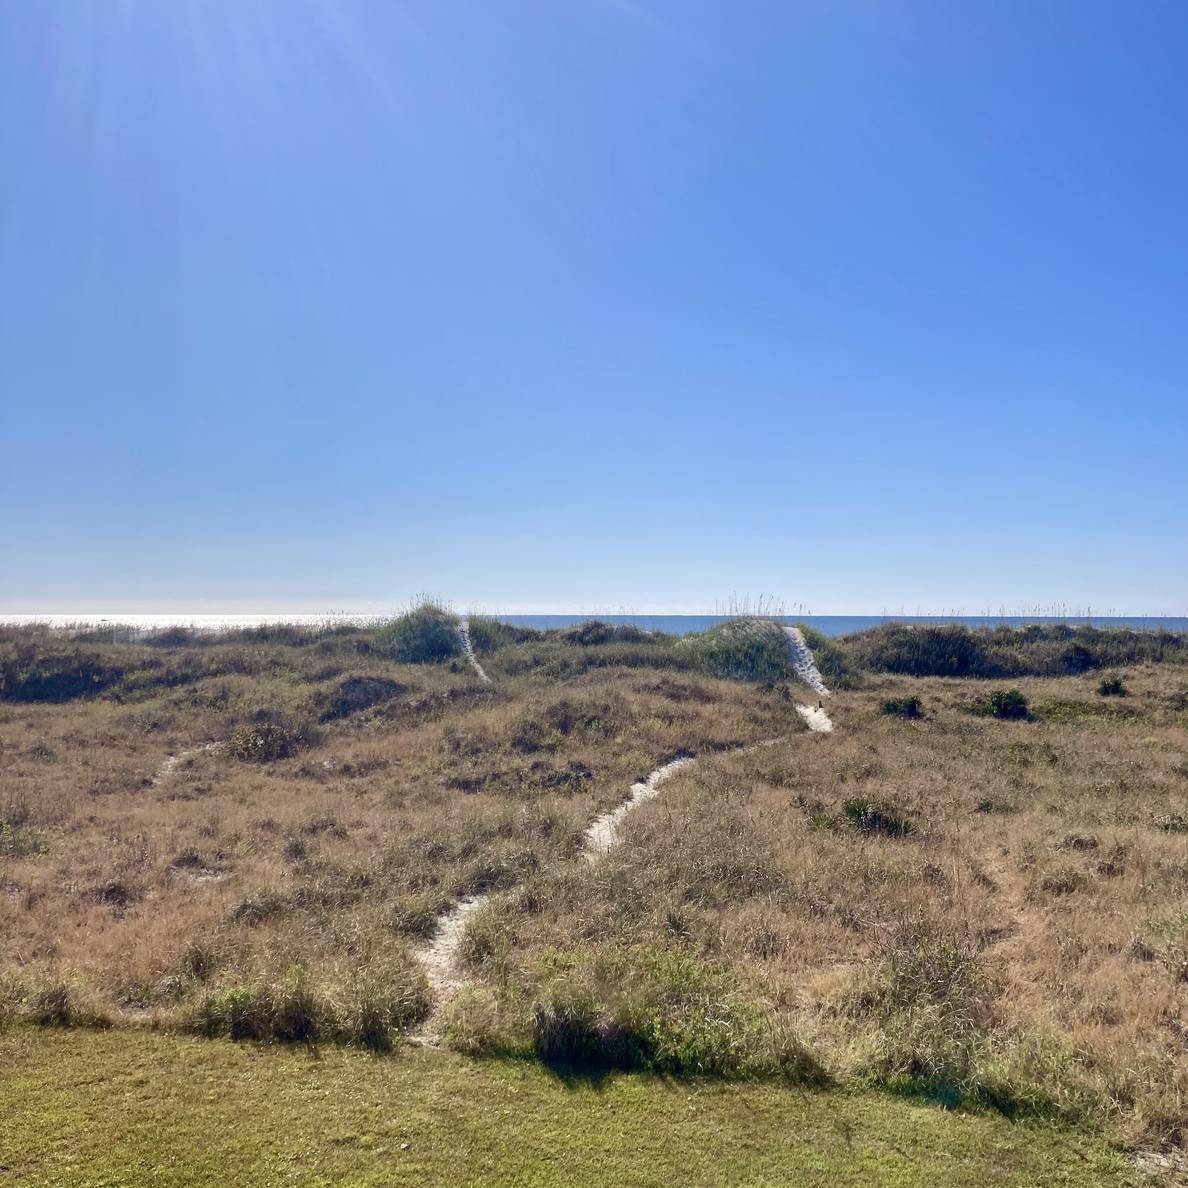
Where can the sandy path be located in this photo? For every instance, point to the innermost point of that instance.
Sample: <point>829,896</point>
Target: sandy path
<point>468,649</point>
<point>802,661</point>
<point>603,832</point>
<point>439,955</point>
<point>815,718</point>
<point>172,762</point>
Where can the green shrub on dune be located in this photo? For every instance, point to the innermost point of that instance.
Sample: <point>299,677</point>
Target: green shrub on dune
<point>742,649</point>
<point>427,634</point>
<point>489,635</point>
<point>1038,649</point>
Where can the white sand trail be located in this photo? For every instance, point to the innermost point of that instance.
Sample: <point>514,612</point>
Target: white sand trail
<point>439,955</point>
<point>802,661</point>
<point>603,832</point>
<point>468,649</point>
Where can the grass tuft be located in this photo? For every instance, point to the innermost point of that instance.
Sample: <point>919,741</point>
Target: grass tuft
<point>428,634</point>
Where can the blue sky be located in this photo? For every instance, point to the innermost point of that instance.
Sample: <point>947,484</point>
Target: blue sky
<point>319,304</point>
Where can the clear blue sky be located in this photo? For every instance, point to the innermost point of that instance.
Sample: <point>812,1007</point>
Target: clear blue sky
<point>593,303</point>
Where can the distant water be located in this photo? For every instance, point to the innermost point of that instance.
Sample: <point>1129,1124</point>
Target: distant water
<point>672,624</point>
<point>840,624</point>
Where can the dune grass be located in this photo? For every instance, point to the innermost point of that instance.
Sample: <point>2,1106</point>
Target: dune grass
<point>248,836</point>
<point>126,1109</point>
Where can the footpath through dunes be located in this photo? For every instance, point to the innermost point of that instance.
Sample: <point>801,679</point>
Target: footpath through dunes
<point>802,661</point>
<point>468,650</point>
<point>171,763</point>
<point>439,955</point>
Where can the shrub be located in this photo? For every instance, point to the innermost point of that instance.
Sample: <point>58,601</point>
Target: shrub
<point>873,818</point>
<point>903,707</point>
<point>1008,703</point>
<point>426,635</point>
<point>1112,686</point>
<point>944,650</point>
<point>742,649</point>
<point>18,841</point>
<point>489,635</point>
<point>595,633</point>
<point>950,649</point>
<point>584,717</point>
<point>31,674</point>
<point>262,742</point>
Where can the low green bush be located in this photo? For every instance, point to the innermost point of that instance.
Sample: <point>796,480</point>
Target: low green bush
<point>1112,686</point>
<point>595,633</point>
<point>426,635</point>
<point>1005,704</point>
<point>1008,703</point>
<point>489,635</point>
<point>742,649</point>
<point>950,649</point>
<point>903,707</point>
<point>262,742</point>
<point>870,817</point>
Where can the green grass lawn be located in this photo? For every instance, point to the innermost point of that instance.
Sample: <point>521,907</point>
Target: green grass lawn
<point>125,1107</point>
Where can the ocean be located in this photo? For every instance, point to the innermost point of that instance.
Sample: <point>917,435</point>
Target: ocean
<point>672,624</point>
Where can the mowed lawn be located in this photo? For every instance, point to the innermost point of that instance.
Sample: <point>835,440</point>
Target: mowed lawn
<point>125,1107</point>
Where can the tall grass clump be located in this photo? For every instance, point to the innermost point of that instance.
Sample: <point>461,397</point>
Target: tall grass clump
<point>292,1009</point>
<point>662,1009</point>
<point>830,658</point>
<point>932,1003</point>
<point>742,649</point>
<point>595,632</point>
<point>489,635</point>
<point>427,634</point>
<point>903,707</point>
<point>1008,704</point>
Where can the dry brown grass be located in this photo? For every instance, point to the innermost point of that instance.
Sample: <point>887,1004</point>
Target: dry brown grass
<point>148,887</point>
<point>1024,941</point>
<point>972,906</point>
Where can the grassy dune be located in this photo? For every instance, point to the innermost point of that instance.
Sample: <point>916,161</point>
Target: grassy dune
<point>974,891</point>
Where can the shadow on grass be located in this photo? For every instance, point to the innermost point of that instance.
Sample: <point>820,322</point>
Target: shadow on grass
<point>1015,1104</point>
